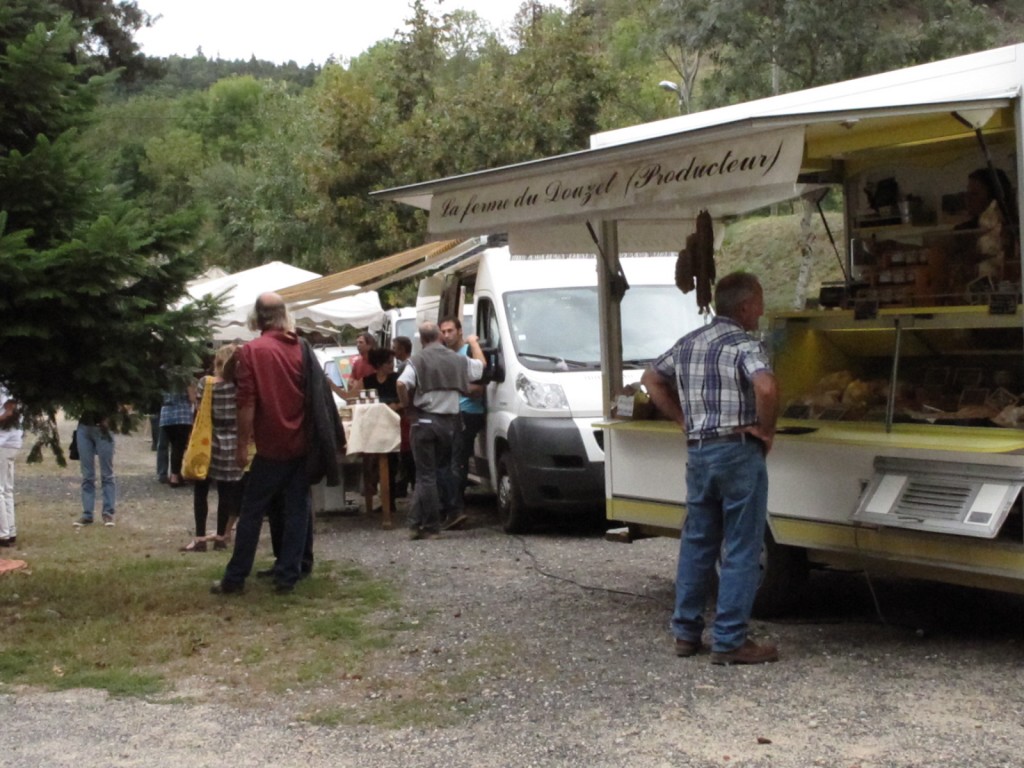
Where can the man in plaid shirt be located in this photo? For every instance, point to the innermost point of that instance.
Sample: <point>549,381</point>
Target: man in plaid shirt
<point>717,383</point>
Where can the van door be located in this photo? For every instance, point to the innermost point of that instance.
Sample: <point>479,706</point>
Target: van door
<point>482,464</point>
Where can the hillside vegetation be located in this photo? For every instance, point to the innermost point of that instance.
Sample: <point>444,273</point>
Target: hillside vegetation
<point>769,246</point>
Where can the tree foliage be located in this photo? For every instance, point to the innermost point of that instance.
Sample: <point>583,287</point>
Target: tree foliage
<point>757,48</point>
<point>87,278</point>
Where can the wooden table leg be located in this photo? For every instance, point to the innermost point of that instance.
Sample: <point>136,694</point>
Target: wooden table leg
<point>385,491</point>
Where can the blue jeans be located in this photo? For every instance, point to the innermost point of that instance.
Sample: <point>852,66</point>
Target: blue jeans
<point>93,443</point>
<point>726,509</point>
<point>266,478</point>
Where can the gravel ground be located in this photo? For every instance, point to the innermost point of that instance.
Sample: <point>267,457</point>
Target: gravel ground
<point>564,640</point>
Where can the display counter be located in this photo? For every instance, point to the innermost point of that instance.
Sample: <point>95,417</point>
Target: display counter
<point>939,366</point>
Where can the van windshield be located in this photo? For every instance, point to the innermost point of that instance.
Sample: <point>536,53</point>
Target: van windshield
<point>557,329</point>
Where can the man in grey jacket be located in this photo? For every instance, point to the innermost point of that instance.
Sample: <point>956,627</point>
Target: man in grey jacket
<point>432,383</point>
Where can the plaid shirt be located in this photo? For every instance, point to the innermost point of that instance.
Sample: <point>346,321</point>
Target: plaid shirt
<point>176,409</point>
<point>223,465</point>
<point>713,368</point>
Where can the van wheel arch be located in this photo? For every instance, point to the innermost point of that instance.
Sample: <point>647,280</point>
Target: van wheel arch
<point>512,511</point>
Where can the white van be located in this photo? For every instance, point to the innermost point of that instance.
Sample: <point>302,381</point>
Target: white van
<point>400,321</point>
<point>537,319</point>
<point>404,321</point>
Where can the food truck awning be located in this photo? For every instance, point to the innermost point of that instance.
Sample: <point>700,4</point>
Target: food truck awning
<point>653,178</point>
<point>378,273</point>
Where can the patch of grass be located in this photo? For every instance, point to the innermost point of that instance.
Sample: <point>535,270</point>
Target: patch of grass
<point>134,626</point>
<point>119,609</point>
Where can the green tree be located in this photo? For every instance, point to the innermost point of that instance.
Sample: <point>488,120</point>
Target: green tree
<point>87,280</point>
<point>761,47</point>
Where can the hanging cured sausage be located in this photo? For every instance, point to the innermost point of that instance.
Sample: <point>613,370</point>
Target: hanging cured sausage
<point>684,265</point>
<point>695,266</point>
<point>704,261</point>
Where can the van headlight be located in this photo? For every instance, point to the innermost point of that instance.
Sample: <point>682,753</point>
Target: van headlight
<point>539,395</point>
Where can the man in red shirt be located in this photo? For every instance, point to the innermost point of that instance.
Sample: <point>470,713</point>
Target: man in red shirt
<point>271,409</point>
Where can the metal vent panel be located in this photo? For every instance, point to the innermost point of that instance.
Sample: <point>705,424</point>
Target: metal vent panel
<point>944,497</point>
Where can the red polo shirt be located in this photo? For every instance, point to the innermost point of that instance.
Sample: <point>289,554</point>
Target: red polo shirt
<point>269,375</point>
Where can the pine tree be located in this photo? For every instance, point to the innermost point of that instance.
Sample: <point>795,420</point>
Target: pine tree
<point>88,281</point>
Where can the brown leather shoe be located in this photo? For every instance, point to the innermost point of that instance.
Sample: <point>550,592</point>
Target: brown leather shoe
<point>748,653</point>
<point>687,648</point>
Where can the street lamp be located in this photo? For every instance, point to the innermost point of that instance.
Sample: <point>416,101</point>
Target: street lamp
<point>668,85</point>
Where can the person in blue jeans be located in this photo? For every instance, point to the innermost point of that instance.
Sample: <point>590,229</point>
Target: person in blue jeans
<point>717,384</point>
<point>95,441</point>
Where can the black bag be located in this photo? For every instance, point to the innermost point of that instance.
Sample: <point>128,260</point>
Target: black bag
<point>73,448</point>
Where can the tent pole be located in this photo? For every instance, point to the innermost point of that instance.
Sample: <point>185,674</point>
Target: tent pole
<point>610,288</point>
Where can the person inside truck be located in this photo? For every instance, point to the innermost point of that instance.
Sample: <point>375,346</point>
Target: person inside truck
<point>987,201</point>
<point>717,384</point>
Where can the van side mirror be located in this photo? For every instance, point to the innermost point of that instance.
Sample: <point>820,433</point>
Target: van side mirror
<point>494,370</point>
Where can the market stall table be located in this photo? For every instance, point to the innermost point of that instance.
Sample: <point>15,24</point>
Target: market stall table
<point>374,429</point>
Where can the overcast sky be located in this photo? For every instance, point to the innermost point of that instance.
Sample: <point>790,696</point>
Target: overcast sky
<point>301,30</point>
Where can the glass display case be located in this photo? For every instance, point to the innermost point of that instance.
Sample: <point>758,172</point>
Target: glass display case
<point>955,366</point>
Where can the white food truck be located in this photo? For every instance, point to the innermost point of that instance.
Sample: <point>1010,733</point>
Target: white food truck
<point>901,446</point>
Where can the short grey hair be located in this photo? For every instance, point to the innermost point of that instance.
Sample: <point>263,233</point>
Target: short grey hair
<point>734,289</point>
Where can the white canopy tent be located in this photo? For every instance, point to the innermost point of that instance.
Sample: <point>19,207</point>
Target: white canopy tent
<point>241,289</point>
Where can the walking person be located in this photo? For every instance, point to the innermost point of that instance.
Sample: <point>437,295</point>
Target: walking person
<point>96,443</point>
<point>10,443</point>
<point>716,382</point>
<point>224,470</point>
<point>432,383</point>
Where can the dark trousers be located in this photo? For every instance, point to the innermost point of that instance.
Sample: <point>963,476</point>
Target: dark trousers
<point>266,478</point>
<point>462,452</point>
<point>275,518</point>
<point>229,504</point>
<point>178,435</point>
<point>431,437</point>
<point>452,477</point>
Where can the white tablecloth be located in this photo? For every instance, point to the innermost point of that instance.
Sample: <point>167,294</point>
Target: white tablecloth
<point>374,428</point>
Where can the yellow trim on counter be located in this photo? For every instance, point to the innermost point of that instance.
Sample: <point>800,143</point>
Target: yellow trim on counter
<point>653,425</point>
<point>930,437</point>
<point>992,557</point>
<point>926,437</point>
<point>646,513</point>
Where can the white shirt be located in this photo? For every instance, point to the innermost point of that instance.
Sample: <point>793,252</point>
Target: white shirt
<point>9,438</point>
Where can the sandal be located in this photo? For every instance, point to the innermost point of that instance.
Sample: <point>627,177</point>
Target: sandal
<point>195,545</point>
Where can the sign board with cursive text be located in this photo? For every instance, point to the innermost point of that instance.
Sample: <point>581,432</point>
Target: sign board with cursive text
<point>706,170</point>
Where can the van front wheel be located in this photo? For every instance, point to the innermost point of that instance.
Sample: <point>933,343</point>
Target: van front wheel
<point>511,511</point>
